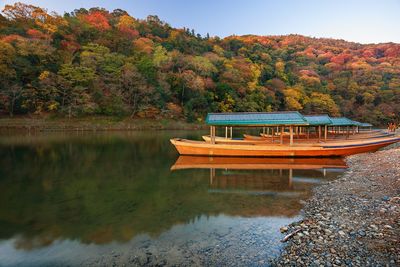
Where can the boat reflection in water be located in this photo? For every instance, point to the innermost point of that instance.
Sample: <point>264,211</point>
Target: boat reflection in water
<point>276,177</point>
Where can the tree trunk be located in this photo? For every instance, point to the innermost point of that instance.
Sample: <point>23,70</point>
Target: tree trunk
<point>183,93</point>
<point>134,105</point>
<point>13,98</point>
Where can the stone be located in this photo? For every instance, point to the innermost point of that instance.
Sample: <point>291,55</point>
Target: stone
<point>341,233</point>
<point>361,233</point>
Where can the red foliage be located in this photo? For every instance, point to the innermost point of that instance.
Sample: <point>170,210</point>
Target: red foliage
<point>132,33</point>
<point>98,20</point>
<point>70,45</point>
<point>392,51</point>
<point>341,58</point>
<point>35,34</point>
<point>368,53</point>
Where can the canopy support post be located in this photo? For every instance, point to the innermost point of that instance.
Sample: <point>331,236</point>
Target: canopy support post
<point>272,134</point>
<point>264,130</point>
<point>231,132</point>
<point>212,140</point>
<point>326,132</point>
<point>226,132</point>
<point>282,131</point>
<point>291,135</point>
<point>319,133</point>
<point>347,132</point>
<point>308,132</point>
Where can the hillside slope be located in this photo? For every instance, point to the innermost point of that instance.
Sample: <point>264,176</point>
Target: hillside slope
<point>109,63</point>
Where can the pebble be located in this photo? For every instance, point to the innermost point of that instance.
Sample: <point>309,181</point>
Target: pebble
<point>359,206</point>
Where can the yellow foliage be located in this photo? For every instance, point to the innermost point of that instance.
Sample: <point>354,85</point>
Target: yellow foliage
<point>126,21</point>
<point>227,104</point>
<point>44,75</point>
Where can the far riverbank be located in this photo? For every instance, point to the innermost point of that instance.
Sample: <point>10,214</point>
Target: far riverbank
<point>351,221</point>
<point>95,123</point>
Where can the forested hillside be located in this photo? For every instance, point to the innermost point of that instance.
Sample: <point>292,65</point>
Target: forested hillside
<point>97,62</point>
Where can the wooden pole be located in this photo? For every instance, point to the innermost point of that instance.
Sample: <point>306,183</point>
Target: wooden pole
<point>226,132</point>
<point>326,132</point>
<point>231,132</point>
<point>308,132</point>
<point>263,130</point>
<point>282,131</point>
<point>213,137</point>
<point>272,135</point>
<point>347,131</point>
<point>211,134</point>
<point>291,134</point>
<point>319,133</point>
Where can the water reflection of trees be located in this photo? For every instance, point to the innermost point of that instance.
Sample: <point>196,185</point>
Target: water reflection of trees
<point>98,191</point>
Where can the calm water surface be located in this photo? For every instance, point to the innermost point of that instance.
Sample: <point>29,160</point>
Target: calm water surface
<point>112,198</point>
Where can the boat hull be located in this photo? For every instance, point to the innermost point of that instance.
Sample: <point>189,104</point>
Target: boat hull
<point>187,147</point>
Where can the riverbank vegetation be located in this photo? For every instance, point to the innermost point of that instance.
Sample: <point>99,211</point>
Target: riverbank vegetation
<point>97,62</point>
<point>92,123</point>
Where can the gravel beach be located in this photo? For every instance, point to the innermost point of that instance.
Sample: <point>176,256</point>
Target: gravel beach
<point>351,221</point>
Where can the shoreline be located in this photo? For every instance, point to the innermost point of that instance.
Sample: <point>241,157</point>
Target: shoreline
<point>353,220</point>
<point>96,123</point>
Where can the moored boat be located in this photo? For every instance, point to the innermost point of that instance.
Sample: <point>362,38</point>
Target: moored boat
<point>188,147</point>
<point>294,146</point>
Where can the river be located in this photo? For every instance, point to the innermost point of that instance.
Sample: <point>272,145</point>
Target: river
<point>128,198</point>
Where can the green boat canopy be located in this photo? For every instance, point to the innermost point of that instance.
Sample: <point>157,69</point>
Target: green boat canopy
<point>256,118</point>
<point>343,121</point>
<point>362,124</point>
<point>365,124</point>
<point>323,119</point>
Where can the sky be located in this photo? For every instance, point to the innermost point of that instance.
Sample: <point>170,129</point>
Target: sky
<point>363,21</point>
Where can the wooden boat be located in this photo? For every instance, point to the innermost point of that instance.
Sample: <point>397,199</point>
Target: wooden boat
<point>188,147</point>
<point>237,163</point>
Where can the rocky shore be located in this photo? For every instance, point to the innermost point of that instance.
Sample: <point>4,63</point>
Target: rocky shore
<point>351,221</point>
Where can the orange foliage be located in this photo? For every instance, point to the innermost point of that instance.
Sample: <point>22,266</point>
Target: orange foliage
<point>144,45</point>
<point>98,20</point>
<point>12,38</point>
<point>341,58</point>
